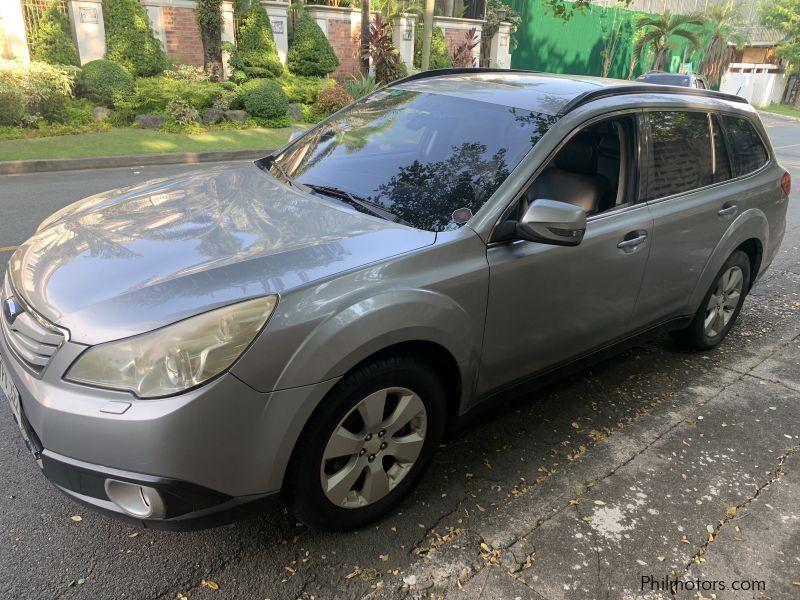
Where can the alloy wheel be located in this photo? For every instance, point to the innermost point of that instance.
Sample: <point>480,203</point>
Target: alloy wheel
<point>723,302</point>
<point>373,448</point>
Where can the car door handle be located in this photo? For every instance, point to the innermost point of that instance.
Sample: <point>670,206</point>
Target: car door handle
<point>728,210</point>
<point>632,242</point>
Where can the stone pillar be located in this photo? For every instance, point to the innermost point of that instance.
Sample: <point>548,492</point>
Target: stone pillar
<point>13,41</point>
<point>279,19</point>
<point>228,35</point>
<point>403,30</point>
<point>88,29</point>
<point>501,48</point>
<point>156,16</point>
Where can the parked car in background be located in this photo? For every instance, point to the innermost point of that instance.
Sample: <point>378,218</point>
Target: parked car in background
<point>691,80</point>
<point>308,325</point>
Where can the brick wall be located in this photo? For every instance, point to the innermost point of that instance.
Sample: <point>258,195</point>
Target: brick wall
<point>182,35</point>
<point>344,37</point>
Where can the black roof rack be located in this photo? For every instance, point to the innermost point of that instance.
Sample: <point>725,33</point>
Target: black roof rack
<point>584,97</point>
<point>650,88</point>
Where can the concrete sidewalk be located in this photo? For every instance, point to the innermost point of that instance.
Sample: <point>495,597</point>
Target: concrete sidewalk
<point>704,485</point>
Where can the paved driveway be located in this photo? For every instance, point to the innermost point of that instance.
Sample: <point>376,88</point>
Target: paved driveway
<point>656,463</point>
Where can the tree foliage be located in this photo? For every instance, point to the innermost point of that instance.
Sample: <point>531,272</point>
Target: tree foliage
<point>440,55</point>
<point>51,41</point>
<point>130,40</point>
<point>723,19</point>
<point>209,21</point>
<point>660,28</point>
<point>784,15</point>
<point>255,54</point>
<point>310,53</point>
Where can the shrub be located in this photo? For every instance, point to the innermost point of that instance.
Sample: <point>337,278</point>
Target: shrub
<point>333,99</point>
<point>255,54</point>
<point>130,40</point>
<point>310,53</point>
<point>12,104</point>
<point>385,57</point>
<point>303,90</point>
<point>359,87</point>
<point>181,112</point>
<point>462,53</point>
<point>440,57</point>
<point>45,90</point>
<point>186,73</point>
<point>51,42</point>
<point>264,98</point>
<point>106,82</point>
<point>153,94</point>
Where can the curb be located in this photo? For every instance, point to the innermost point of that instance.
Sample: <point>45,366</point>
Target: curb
<point>20,167</point>
<point>766,113</point>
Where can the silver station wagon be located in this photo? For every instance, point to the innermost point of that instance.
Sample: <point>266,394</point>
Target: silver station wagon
<point>307,326</point>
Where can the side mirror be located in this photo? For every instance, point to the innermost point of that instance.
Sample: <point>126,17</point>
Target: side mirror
<point>552,222</point>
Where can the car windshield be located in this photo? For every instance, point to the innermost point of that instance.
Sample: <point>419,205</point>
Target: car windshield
<point>413,157</point>
<point>666,79</point>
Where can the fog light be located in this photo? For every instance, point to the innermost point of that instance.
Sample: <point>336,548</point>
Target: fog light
<point>136,500</point>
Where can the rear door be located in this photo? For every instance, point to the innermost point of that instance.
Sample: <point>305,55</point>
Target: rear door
<point>688,165</point>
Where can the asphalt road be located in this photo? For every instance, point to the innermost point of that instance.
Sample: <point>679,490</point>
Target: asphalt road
<point>657,461</point>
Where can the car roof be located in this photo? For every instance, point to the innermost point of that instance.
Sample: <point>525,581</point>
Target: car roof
<point>545,93</point>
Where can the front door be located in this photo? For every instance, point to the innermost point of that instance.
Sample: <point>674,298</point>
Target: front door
<point>549,304</point>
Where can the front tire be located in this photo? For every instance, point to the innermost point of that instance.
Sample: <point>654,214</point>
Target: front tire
<point>720,306</point>
<point>367,445</point>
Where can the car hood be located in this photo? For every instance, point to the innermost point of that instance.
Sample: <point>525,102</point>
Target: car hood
<point>129,261</point>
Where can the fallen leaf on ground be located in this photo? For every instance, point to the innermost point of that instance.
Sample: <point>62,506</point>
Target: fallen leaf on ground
<point>210,584</point>
<point>76,518</point>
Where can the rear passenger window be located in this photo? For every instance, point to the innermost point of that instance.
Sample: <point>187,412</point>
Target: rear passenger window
<point>682,157</point>
<point>747,149</point>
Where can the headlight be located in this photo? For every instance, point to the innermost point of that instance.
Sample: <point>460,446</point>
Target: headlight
<point>176,357</point>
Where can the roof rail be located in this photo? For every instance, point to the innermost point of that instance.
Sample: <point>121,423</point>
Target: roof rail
<point>456,71</point>
<point>648,88</point>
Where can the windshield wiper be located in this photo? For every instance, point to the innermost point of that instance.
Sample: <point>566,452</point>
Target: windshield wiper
<point>356,201</point>
<point>273,162</point>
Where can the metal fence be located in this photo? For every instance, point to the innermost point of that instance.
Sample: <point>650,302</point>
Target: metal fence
<point>33,11</point>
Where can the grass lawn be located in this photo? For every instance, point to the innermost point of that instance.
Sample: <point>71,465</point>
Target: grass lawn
<point>140,141</point>
<point>781,109</point>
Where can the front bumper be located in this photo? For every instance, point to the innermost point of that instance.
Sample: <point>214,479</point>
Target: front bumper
<point>222,446</point>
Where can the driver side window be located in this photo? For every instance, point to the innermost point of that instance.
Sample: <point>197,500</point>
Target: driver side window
<point>595,170</point>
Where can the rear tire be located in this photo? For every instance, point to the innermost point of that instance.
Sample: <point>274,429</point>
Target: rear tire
<point>720,306</point>
<point>367,445</point>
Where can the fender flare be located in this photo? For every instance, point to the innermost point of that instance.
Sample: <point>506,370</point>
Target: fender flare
<point>751,224</point>
<point>371,325</point>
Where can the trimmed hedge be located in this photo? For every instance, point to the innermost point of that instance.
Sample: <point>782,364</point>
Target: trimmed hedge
<point>130,40</point>
<point>106,82</point>
<point>303,90</point>
<point>153,94</point>
<point>35,91</point>
<point>255,54</point>
<point>310,53</point>
<point>264,98</point>
<point>51,42</point>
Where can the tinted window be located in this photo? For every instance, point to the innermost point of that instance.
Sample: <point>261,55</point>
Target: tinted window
<point>747,150</point>
<point>722,169</point>
<point>699,84</point>
<point>681,146</point>
<point>416,157</point>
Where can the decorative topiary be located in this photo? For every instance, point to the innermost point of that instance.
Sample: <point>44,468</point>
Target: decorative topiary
<point>440,55</point>
<point>106,82</point>
<point>255,54</point>
<point>310,53</point>
<point>264,98</point>
<point>130,40</point>
<point>51,41</point>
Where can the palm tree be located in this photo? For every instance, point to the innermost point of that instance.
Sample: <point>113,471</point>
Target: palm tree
<point>660,28</point>
<point>723,19</point>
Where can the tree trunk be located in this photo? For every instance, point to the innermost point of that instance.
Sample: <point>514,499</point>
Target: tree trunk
<point>364,61</point>
<point>427,35</point>
<point>209,17</point>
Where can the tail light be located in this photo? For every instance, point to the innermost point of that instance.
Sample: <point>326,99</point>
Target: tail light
<point>786,182</point>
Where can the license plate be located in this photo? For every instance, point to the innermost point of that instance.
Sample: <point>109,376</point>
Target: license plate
<point>10,390</point>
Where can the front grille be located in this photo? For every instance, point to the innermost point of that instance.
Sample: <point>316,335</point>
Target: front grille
<point>29,336</point>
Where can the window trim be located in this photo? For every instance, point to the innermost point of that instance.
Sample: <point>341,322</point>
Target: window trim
<point>638,153</point>
<point>710,111</point>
